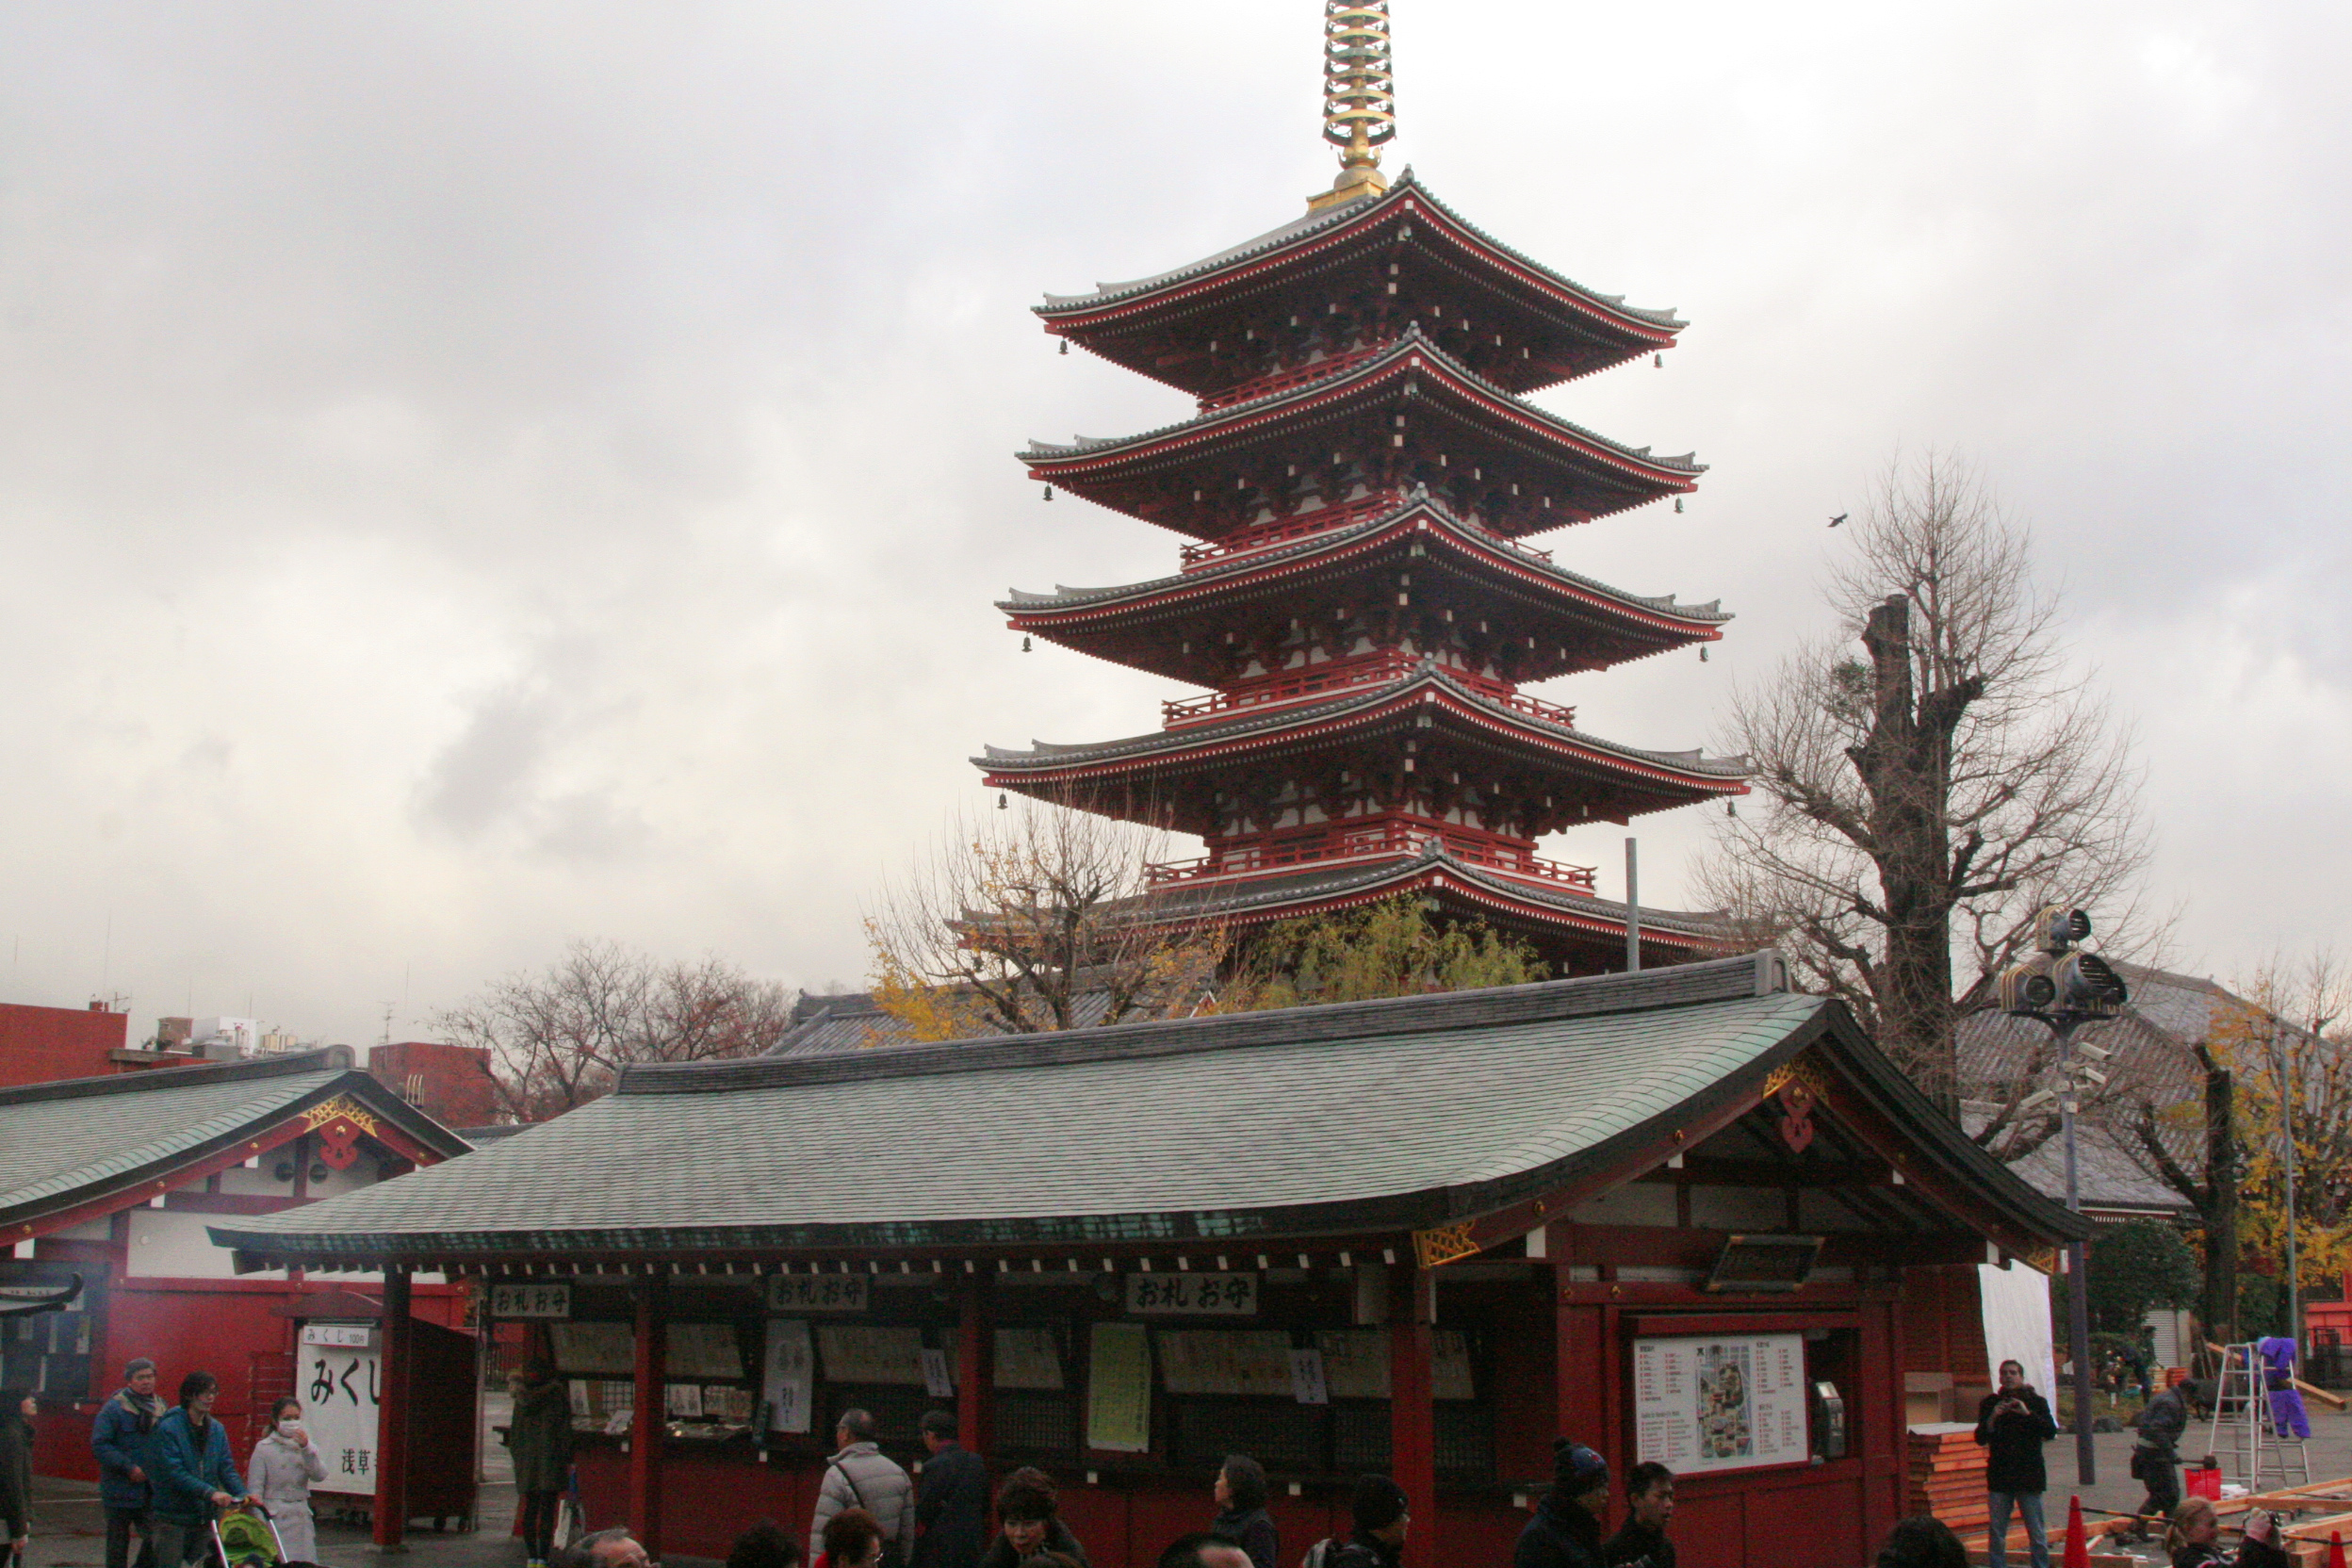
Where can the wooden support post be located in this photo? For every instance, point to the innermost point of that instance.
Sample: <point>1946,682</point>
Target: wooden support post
<point>648,1419</point>
<point>396,1360</point>
<point>1411,1408</point>
<point>975,1369</point>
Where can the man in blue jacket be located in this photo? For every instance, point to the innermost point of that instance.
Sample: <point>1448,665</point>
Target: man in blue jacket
<point>950,1498</point>
<point>118,1437</point>
<point>193,1474</point>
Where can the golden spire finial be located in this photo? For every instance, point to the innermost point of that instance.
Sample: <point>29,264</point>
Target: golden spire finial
<point>1359,97</point>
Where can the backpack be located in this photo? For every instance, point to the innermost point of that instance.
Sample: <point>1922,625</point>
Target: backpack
<point>892,1556</point>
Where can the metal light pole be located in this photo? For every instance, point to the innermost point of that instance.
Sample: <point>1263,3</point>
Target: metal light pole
<point>2066,989</point>
<point>2078,1266</point>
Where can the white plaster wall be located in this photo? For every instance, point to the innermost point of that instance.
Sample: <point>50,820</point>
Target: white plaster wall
<point>171,1246</point>
<point>259,1184</point>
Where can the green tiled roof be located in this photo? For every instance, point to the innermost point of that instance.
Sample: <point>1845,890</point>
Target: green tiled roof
<point>1314,1121</point>
<point>1251,1125</point>
<point>64,1143</point>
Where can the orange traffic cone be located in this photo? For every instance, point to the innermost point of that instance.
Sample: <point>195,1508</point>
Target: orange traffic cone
<point>2077,1546</point>
<point>2335,1549</point>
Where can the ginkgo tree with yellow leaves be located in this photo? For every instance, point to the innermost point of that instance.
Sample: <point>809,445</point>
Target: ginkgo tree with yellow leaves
<point>1044,916</point>
<point>2284,1042</point>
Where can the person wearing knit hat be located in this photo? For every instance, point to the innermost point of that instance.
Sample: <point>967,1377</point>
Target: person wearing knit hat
<point>1382,1514</point>
<point>1567,1530</point>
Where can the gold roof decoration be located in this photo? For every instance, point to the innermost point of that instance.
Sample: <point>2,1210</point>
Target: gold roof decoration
<point>1359,97</point>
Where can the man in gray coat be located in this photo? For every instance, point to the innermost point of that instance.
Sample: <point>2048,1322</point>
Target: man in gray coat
<point>860,1474</point>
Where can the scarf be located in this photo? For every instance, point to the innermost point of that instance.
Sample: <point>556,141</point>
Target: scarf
<point>146,1410</point>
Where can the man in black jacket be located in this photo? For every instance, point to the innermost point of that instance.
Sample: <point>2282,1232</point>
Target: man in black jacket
<point>2015,1422</point>
<point>2156,1457</point>
<point>950,1498</point>
<point>1567,1530</point>
<point>1640,1542</point>
<point>1382,1516</point>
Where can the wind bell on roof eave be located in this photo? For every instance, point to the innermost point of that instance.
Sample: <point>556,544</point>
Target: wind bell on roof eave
<point>1359,97</point>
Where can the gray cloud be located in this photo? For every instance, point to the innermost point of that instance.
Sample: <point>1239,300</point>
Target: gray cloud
<point>473,477</point>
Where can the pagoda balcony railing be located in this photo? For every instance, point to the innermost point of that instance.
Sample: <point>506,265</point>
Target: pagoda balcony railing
<point>1283,381</point>
<point>1314,682</point>
<point>1371,841</point>
<point>1322,679</point>
<point>1297,526</point>
<point>1534,708</point>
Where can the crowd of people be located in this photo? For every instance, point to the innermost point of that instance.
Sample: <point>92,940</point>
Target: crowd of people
<point>165,1473</point>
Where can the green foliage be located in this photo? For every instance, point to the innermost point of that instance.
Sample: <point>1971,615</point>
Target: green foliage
<point>1391,948</point>
<point>2134,1268</point>
<point>2262,1306</point>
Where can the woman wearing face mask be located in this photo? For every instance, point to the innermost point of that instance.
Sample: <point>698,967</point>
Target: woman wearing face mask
<point>285,1465</point>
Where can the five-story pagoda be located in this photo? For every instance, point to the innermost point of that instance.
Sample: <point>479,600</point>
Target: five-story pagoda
<point>1359,479</point>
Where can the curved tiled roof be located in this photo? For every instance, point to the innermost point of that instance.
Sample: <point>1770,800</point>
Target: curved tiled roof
<point>71,1142</point>
<point>1239,897</point>
<point>1050,754</point>
<point>1157,1133</point>
<point>1410,343</point>
<point>1312,545</point>
<point>1408,186</point>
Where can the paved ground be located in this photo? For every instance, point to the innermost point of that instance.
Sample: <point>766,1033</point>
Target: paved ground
<point>2330,1450</point>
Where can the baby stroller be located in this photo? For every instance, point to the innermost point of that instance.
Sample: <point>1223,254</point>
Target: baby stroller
<point>244,1536</point>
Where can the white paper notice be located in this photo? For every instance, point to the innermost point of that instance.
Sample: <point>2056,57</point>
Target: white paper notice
<point>937,1381</point>
<point>788,1383</point>
<point>1721,1403</point>
<point>1306,1378</point>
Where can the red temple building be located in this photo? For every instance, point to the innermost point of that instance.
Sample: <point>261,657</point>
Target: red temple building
<point>1358,484</point>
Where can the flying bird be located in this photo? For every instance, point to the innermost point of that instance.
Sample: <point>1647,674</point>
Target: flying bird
<point>1839,518</point>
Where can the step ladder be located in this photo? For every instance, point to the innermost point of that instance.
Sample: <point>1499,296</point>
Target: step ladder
<point>2245,1436</point>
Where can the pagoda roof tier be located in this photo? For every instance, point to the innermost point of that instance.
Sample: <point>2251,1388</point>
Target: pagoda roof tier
<point>1362,269</point>
<point>1411,408</point>
<point>1560,920</point>
<point>1169,776</point>
<point>1174,626</point>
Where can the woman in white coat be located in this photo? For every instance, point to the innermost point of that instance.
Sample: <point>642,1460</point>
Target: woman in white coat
<point>285,1465</point>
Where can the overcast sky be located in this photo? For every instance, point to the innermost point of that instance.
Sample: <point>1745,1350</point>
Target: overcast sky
<point>477,476</point>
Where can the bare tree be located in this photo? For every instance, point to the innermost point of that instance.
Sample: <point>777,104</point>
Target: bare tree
<point>559,1038</point>
<point>1919,803</point>
<point>1041,917</point>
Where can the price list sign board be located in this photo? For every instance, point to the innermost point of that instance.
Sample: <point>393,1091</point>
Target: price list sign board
<point>1720,1402</point>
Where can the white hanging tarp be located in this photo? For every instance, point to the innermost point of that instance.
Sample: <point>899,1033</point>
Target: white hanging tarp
<point>2017,1326</point>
